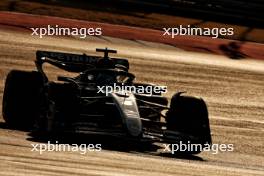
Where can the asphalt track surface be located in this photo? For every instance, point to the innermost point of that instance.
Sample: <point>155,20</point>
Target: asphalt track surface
<point>233,90</point>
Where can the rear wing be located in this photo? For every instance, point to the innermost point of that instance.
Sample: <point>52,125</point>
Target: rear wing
<point>72,62</point>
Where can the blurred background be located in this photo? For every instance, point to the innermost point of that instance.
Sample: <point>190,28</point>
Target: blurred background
<point>246,17</point>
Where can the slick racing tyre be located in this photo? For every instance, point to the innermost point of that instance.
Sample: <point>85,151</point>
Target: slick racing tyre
<point>21,98</point>
<point>189,116</point>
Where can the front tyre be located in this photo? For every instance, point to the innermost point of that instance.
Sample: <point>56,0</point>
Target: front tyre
<point>189,116</point>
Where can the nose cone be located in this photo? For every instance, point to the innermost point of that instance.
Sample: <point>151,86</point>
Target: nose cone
<point>129,113</point>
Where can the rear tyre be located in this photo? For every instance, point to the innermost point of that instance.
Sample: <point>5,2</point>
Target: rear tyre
<point>189,116</point>
<point>22,98</point>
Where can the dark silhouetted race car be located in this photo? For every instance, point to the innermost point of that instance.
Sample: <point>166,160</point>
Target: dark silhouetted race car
<point>88,103</point>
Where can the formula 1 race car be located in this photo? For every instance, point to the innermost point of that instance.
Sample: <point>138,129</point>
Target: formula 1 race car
<point>81,105</point>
